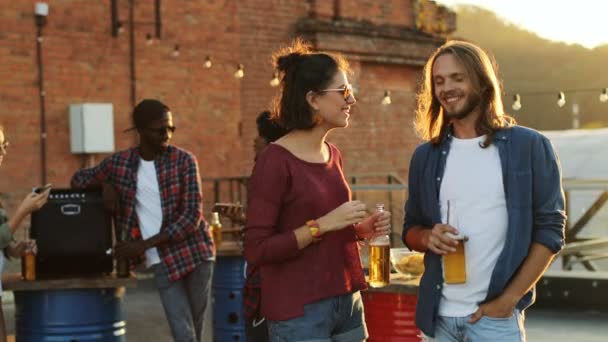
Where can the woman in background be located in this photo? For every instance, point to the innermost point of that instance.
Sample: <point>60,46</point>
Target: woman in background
<point>8,227</point>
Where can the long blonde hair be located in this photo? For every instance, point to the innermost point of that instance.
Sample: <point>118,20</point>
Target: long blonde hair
<point>430,123</point>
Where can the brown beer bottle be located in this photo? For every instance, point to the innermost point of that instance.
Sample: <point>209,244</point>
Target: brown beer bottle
<point>216,228</point>
<point>29,263</point>
<point>122,264</point>
<point>379,258</point>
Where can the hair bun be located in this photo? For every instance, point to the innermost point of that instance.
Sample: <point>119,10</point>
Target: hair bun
<point>288,57</point>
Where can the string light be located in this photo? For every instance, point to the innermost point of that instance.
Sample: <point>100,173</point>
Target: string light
<point>561,99</point>
<point>207,63</point>
<point>386,100</point>
<point>604,95</point>
<point>516,102</point>
<point>275,79</point>
<point>240,71</point>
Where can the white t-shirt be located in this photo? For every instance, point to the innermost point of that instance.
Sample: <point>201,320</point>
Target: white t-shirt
<point>148,206</point>
<point>473,183</point>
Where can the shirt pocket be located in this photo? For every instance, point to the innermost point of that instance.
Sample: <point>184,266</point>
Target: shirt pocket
<point>520,189</point>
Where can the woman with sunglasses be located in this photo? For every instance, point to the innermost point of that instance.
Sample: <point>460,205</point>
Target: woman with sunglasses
<point>32,202</point>
<point>302,226</point>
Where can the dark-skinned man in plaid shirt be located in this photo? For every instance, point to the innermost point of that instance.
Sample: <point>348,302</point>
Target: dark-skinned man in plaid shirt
<point>157,186</point>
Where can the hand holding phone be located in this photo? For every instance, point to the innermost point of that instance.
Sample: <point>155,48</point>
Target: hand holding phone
<point>42,188</point>
<point>35,200</point>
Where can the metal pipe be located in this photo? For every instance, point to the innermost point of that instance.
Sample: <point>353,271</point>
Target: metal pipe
<point>157,18</point>
<point>132,52</point>
<point>114,17</point>
<point>39,24</point>
<point>337,10</point>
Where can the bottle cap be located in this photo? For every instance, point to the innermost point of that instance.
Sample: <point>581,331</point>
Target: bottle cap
<point>215,217</point>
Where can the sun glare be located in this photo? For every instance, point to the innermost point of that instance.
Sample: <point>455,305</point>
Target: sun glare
<point>582,22</point>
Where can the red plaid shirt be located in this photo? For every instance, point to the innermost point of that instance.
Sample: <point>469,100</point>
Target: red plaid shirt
<point>181,202</point>
<point>252,295</point>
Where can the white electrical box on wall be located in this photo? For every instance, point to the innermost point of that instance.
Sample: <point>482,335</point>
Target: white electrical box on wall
<point>91,128</point>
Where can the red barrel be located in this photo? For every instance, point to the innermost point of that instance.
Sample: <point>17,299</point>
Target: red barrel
<point>390,317</point>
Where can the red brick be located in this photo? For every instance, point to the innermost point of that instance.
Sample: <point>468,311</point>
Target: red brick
<point>84,63</point>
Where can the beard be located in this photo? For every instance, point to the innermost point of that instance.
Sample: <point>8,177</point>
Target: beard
<point>471,103</point>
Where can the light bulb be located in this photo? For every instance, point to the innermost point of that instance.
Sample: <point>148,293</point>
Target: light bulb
<point>275,80</point>
<point>149,39</point>
<point>207,63</point>
<point>516,102</point>
<point>604,95</point>
<point>175,52</point>
<point>386,100</point>
<point>561,99</point>
<point>240,71</point>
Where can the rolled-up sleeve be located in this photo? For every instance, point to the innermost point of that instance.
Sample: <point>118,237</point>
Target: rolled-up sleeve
<point>548,196</point>
<point>412,216</point>
<point>6,235</point>
<point>264,241</point>
<point>93,176</point>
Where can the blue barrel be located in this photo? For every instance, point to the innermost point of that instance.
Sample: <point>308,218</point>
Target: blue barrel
<point>70,315</point>
<point>228,282</point>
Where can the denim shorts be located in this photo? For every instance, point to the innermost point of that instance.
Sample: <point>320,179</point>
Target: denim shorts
<point>456,329</point>
<point>335,319</point>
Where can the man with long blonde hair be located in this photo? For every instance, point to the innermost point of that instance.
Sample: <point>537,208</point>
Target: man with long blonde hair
<point>498,184</point>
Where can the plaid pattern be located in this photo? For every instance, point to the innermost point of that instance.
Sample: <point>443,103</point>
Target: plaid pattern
<point>252,294</point>
<point>181,202</point>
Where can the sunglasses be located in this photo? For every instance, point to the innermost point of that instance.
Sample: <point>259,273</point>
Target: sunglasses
<point>161,130</point>
<point>347,91</point>
<point>4,145</point>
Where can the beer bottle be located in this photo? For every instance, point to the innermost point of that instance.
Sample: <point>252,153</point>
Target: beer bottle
<point>216,228</point>
<point>454,263</point>
<point>29,262</point>
<point>379,258</point>
<point>122,264</point>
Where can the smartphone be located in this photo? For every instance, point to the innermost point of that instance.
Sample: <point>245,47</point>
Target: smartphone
<point>42,189</point>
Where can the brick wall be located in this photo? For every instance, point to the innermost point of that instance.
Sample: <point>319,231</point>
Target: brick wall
<point>214,111</point>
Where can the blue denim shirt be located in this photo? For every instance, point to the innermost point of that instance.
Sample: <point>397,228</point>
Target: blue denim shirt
<point>535,205</point>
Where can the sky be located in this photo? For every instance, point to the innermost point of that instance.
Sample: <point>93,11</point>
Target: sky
<point>581,21</point>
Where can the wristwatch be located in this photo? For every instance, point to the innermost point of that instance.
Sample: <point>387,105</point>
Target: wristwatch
<point>313,226</point>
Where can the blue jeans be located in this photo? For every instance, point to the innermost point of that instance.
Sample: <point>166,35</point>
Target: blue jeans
<point>457,329</point>
<point>185,300</point>
<point>335,319</point>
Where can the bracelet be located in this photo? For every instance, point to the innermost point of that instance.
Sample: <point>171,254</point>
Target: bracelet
<point>313,226</point>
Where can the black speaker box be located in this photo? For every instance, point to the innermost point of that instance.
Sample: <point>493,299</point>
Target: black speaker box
<point>73,232</point>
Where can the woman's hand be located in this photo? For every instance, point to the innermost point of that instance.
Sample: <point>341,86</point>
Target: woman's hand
<point>17,249</point>
<point>375,225</point>
<point>343,216</point>
<point>33,201</point>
